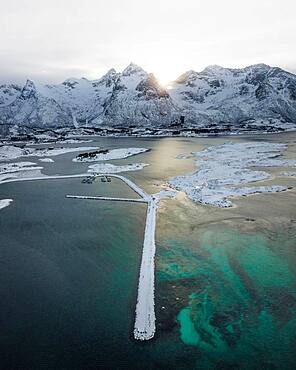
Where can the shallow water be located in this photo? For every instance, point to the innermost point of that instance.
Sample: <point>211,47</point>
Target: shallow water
<point>225,279</point>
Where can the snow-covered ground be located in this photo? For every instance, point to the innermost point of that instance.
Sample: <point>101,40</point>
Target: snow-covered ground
<point>5,203</point>
<point>111,168</point>
<point>164,194</point>
<point>46,160</point>
<point>112,154</point>
<point>50,140</point>
<point>224,168</point>
<point>288,174</point>
<point>34,172</point>
<point>18,166</point>
<point>9,152</point>
<point>182,156</point>
<point>19,170</point>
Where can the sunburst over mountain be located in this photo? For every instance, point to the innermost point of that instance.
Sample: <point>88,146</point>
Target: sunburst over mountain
<point>257,96</point>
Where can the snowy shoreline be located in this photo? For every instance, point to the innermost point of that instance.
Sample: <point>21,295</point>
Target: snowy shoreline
<point>9,152</point>
<point>223,169</point>
<point>162,133</point>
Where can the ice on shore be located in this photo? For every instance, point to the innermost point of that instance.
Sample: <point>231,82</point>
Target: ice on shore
<point>5,203</point>
<point>164,194</point>
<point>288,174</point>
<point>223,169</point>
<point>17,166</point>
<point>23,173</point>
<point>120,153</point>
<point>183,156</point>
<point>52,140</point>
<point>9,152</point>
<point>111,168</point>
<point>46,160</point>
<point>19,170</point>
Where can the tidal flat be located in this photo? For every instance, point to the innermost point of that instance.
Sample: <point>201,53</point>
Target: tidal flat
<point>225,278</point>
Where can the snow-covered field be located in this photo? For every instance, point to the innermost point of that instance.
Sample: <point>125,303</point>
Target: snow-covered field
<point>9,152</point>
<point>5,203</point>
<point>120,153</point>
<point>223,169</point>
<point>111,168</point>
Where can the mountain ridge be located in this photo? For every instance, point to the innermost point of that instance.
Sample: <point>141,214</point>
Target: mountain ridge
<point>256,95</point>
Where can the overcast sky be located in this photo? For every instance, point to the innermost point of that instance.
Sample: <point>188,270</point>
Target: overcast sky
<point>50,40</point>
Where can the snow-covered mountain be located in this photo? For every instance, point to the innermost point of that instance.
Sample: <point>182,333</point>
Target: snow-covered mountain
<point>255,96</point>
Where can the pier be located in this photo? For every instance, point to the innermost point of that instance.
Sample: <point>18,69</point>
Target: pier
<point>91,197</point>
<point>145,315</point>
<point>144,328</point>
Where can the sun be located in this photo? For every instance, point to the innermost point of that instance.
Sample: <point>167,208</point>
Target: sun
<point>165,77</point>
<point>165,74</point>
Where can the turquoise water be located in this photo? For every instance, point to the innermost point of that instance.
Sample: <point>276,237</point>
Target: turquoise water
<point>225,286</point>
<point>238,298</point>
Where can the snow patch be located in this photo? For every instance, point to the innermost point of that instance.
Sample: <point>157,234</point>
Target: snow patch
<point>105,168</point>
<point>5,203</point>
<point>182,156</point>
<point>164,194</point>
<point>18,166</point>
<point>288,174</point>
<point>46,160</point>
<point>19,170</point>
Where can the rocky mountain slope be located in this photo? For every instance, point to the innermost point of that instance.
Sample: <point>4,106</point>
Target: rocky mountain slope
<point>254,97</point>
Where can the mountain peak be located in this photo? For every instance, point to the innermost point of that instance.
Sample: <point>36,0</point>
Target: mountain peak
<point>133,68</point>
<point>28,90</point>
<point>186,77</point>
<point>108,78</point>
<point>260,66</point>
<point>111,71</point>
<point>29,84</point>
<point>214,69</point>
